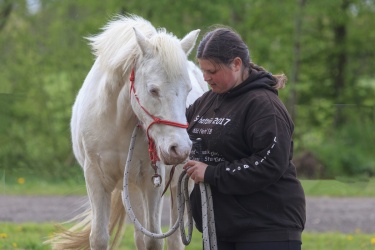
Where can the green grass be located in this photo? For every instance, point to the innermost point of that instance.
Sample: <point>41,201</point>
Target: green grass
<point>32,185</point>
<point>337,241</point>
<point>30,237</point>
<point>339,188</point>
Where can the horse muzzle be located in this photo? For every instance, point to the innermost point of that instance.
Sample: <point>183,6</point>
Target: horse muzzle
<point>175,153</point>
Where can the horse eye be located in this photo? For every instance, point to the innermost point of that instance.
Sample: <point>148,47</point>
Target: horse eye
<point>154,92</point>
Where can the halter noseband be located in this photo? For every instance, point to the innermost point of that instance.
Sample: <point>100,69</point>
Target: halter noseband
<point>151,144</point>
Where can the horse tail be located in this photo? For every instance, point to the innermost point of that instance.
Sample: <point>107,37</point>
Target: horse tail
<point>117,218</point>
<point>78,236</point>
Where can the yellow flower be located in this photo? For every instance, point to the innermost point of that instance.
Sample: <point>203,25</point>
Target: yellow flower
<point>3,235</point>
<point>350,237</point>
<point>372,241</point>
<point>21,180</point>
<point>14,244</point>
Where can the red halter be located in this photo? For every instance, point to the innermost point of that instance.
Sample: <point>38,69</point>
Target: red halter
<point>151,144</point>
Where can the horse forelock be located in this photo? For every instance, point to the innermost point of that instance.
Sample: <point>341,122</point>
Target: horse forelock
<point>168,51</point>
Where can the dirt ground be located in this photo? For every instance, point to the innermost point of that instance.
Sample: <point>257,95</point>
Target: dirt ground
<point>347,215</point>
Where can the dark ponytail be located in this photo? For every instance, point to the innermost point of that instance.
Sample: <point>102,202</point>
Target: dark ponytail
<point>280,79</point>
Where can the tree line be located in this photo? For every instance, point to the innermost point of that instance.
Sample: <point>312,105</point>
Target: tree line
<point>324,47</point>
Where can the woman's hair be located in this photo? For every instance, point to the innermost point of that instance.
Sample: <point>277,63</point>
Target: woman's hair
<point>223,44</point>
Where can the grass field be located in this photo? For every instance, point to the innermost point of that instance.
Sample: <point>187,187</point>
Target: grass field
<point>30,237</point>
<point>31,185</point>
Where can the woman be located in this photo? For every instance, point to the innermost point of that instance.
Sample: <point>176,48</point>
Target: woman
<point>247,150</point>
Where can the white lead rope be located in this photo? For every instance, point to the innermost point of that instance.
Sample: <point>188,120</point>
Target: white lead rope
<point>208,220</point>
<point>209,234</point>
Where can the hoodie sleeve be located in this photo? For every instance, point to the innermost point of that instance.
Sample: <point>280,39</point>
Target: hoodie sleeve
<point>269,140</point>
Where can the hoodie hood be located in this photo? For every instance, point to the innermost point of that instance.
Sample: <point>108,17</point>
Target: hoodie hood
<point>257,79</point>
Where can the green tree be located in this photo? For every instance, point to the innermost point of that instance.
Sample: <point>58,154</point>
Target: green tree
<point>324,47</point>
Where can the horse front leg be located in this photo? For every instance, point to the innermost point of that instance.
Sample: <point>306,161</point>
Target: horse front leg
<point>100,201</point>
<point>139,209</point>
<point>174,241</point>
<point>154,205</point>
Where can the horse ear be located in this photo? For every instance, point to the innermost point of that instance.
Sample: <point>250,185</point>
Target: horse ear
<point>188,42</point>
<point>142,41</point>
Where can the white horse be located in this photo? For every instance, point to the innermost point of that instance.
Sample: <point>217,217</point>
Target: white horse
<point>104,115</point>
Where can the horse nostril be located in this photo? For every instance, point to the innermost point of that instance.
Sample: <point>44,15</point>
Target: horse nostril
<point>175,155</point>
<point>173,150</point>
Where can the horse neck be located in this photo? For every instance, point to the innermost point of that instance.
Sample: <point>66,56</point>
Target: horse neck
<point>114,91</point>
<point>124,107</point>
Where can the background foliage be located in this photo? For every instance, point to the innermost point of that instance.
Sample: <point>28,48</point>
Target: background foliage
<point>324,47</point>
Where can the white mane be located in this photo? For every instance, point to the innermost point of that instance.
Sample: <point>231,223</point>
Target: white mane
<point>116,47</point>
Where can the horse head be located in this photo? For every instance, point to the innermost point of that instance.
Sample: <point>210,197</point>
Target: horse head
<point>159,92</point>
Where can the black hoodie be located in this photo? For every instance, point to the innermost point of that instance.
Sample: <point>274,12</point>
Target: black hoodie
<point>248,146</point>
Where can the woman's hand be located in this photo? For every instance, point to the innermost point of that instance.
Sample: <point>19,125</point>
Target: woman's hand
<point>195,170</point>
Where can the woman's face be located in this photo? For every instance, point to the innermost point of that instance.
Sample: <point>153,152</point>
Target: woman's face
<point>220,77</point>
